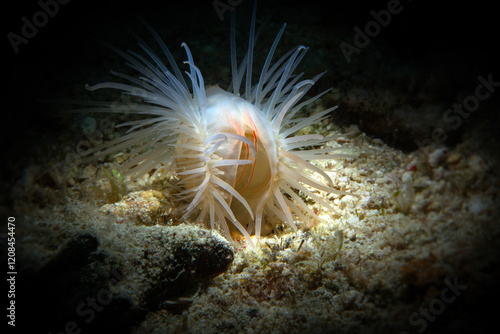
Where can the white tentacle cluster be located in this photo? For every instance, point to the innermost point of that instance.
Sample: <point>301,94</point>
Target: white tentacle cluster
<point>235,154</point>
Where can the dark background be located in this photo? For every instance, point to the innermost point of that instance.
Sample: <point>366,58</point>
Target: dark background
<point>460,37</point>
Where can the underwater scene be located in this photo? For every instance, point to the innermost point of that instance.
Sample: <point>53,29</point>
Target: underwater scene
<point>240,166</point>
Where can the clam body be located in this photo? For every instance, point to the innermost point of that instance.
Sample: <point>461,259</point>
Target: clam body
<point>236,154</point>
